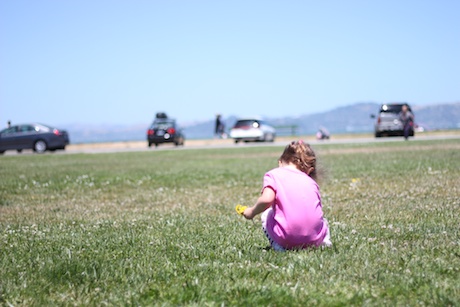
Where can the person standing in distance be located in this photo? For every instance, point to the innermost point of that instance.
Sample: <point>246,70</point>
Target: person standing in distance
<point>407,119</point>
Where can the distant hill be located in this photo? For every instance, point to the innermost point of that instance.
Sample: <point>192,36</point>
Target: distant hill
<point>438,117</point>
<point>79,133</point>
<point>353,118</point>
<point>356,118</point>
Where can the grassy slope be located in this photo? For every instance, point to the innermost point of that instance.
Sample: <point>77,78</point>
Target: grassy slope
<point>157,228</point>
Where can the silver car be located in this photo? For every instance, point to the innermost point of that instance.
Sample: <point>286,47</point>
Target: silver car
<point>388,122</point>
<point>252,129</point>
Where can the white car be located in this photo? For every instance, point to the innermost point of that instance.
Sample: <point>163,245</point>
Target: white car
<point>252,129</point>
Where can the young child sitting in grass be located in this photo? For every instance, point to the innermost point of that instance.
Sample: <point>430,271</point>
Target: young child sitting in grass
<point>292,215</point>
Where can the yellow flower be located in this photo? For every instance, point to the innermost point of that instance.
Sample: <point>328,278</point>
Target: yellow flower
<point>240,209</point>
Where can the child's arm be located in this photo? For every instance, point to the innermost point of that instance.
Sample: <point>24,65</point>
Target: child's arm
<point>263,203</point>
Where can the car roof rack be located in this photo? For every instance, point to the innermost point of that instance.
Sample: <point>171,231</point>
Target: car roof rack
<point>161,115</point>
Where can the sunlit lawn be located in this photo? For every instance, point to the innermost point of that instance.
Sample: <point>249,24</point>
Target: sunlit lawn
<point>159,228</point>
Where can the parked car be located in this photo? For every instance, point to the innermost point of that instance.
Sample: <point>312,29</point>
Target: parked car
<point>164,130</point>
<point>252,129</point>
<point>38,137</point>
<point>388,122</point>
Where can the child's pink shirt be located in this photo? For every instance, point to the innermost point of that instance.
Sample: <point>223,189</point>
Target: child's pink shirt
<point>297,219</point>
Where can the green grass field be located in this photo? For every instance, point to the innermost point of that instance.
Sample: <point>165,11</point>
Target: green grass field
<point>159,228</point>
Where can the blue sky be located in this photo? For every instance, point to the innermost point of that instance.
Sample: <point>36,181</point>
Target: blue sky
<point>119,62</point>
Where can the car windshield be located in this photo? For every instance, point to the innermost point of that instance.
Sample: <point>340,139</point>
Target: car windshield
<point>41,127</point>
<point>392,108</point>
<point>247,124</point>
<point>164,124</point>
<point>26,128</point>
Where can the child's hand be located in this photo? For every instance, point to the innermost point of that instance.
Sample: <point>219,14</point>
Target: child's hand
<point>248,213</point>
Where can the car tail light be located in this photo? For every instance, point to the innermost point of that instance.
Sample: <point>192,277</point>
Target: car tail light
<point>171,130</point>
<point>150,132</point>
<point>379,120</point>
<point>56,132</point>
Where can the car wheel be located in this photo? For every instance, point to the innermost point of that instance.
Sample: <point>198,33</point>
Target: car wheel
<point>40,146</point>
<point>236,141</point>
<point>19,150</point>
<point>149,144</point>
<point>156,144</point>
<point>377,135</point>
<point>2,152</point>
<point>269,137</point>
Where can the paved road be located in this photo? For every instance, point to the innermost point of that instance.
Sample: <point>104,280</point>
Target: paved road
<point>228,143</point>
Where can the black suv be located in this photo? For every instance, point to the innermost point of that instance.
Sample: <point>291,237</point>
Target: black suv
<point>388,122</point>
<point>164,130</point>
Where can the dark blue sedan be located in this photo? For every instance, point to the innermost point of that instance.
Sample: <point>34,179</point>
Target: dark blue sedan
<point>37,137</point>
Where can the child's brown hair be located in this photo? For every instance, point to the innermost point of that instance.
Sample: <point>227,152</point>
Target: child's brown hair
<point>302,156</point>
